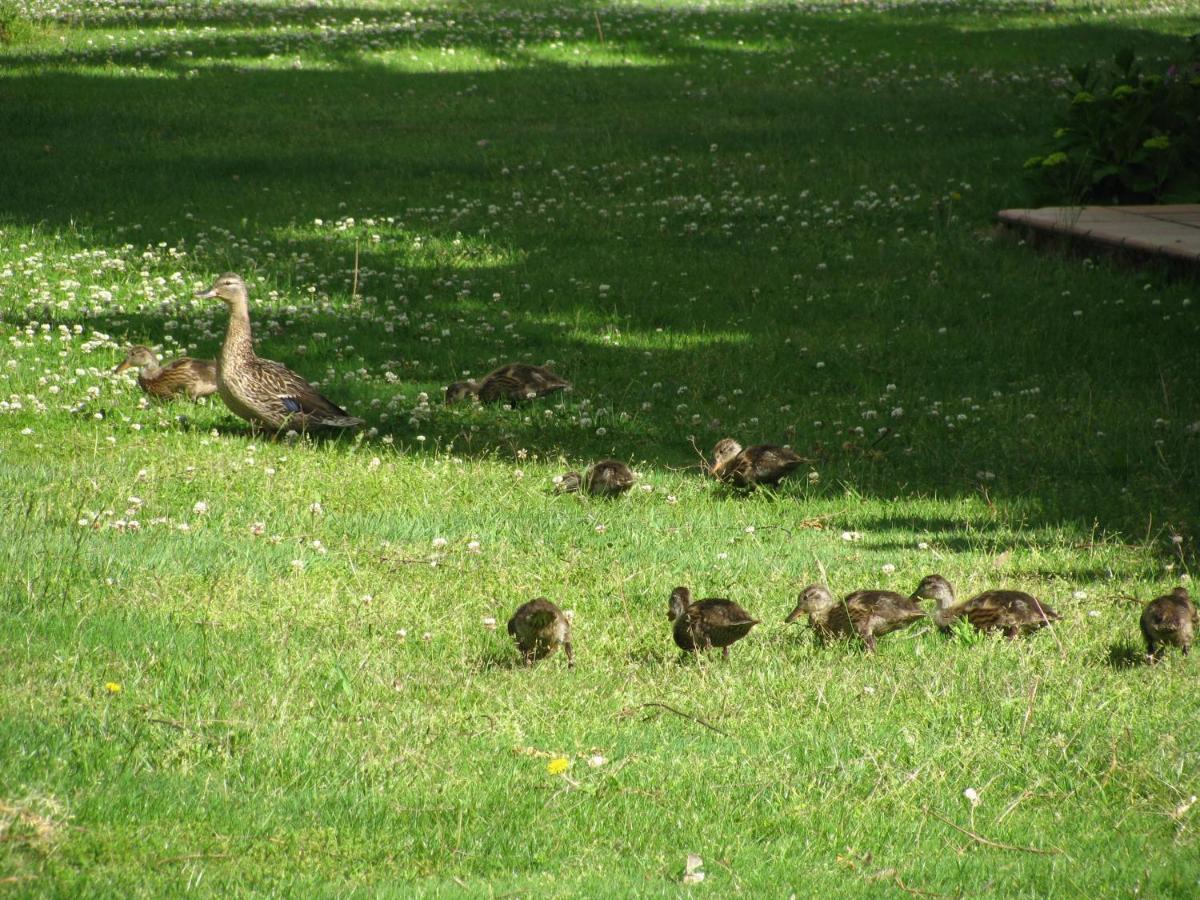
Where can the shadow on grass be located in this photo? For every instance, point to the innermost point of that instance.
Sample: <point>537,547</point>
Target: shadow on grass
<point>205,145</point>
<point>1125,655</point>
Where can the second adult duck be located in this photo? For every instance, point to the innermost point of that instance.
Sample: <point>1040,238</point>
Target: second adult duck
<point>262,392</point>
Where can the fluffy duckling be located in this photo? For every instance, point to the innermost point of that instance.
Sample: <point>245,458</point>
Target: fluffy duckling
<point>261,391</point>
<point>1013,612</point>
<point>193,378</point>
<point>862,614</point>
<point>1171,619</point>
<point>705,624</point>
<point>607,478</point>
<point>747,468</point>
<point>539,628</point>
<point>513,384</point>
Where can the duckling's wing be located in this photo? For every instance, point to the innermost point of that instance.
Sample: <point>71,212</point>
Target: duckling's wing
<point>719,612</point>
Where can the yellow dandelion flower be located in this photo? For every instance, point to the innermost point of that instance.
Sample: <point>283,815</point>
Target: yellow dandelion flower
<point>558,765</point>
<point>112,687</point>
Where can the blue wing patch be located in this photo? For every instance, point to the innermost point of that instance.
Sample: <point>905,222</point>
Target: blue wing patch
<point>291,404</point>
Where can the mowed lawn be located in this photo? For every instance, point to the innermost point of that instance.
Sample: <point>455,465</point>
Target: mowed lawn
<point>238,665</point>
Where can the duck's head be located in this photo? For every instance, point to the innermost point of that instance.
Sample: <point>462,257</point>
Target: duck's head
<point>1181,593</point>
<point>681,598</point>
<point>568,483</point>
<point>229,287</point>
<point>935,588</point>
<point>723,454</point>
<point>814,599</point>
<point>137,357</point>
<point>460,390</point>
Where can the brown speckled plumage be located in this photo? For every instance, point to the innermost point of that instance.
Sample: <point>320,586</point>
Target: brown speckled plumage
<point>514,383</point>
<point>183,377</point>
<point>1013,612</point>
<point>1171,619</point>
<point>749,467</point>
<point>539,628</point>
<point>714,622</point>
<point>862,614</point>
<point>607,478</point>
<point>261,391</point>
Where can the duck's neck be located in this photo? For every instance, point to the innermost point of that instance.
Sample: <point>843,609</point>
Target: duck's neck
<point>238,341</point>
<point>940,617</point>
<point>149,372</point>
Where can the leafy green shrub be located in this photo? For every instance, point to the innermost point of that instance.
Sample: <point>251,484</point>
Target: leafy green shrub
<point>15,28</point>
<point>1126,136</point>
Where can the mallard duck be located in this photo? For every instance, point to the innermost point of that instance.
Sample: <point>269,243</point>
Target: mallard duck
<point>607,478</point>
<point>193,378</point>
<point>1171,619</point>
<point>705,624</point>
<point>513,383</point>
<point>261,391</point>
<point>863,614</point>
<point>1013,612</point>
<point>752,466</point>
<point>539,628</point>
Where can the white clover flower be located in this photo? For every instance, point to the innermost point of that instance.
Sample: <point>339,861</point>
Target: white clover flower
<point>851,535</point>
<point>972,796</point>
<point>440,542</point>
<point>600,529</point>
<point>200,508</point>
<point>888,569</point>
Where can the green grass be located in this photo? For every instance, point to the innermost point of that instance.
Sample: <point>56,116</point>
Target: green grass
<point>770,221</point>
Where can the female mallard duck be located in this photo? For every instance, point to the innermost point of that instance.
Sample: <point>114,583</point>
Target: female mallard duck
<point>513,383</point>
<point>1013,612</point>
<point>261,391</point>
<point>539,628</point>
<point>752,466</point>
<point>705,624</point>
<point>193,378</point>
<point>607,478</point>
<point>862,614</point>
<point>1170,619</point>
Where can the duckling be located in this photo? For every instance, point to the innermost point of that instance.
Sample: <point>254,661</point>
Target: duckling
<point>1013,612</point>
<point>752,466</point>
<point>1170,619</point>
<point>194,378</point>
<point>705,624</point>
<point>607,478</point>
<point>261,391</point>
<point>539,628</point>
<point>513,383</point>
<point>862,614</point>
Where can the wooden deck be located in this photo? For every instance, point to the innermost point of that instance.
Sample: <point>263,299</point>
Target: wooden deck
<point>1172,231</point>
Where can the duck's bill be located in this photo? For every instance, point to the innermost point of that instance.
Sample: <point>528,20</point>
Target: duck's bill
<point>206,295</point>
<point>122,366</point>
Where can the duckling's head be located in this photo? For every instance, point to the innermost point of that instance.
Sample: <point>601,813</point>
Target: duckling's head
<point>229,287</point>
<point>681,598</point>
<point>137,357</point>
<point>1181,593</point>
<point>723,454</point>
<point>460,390</point>
<point>814,600</point>
<point>568,483</point>
<point>935,588</point>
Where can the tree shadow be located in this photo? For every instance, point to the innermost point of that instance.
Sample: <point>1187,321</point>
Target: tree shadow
<point>595,174</point>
